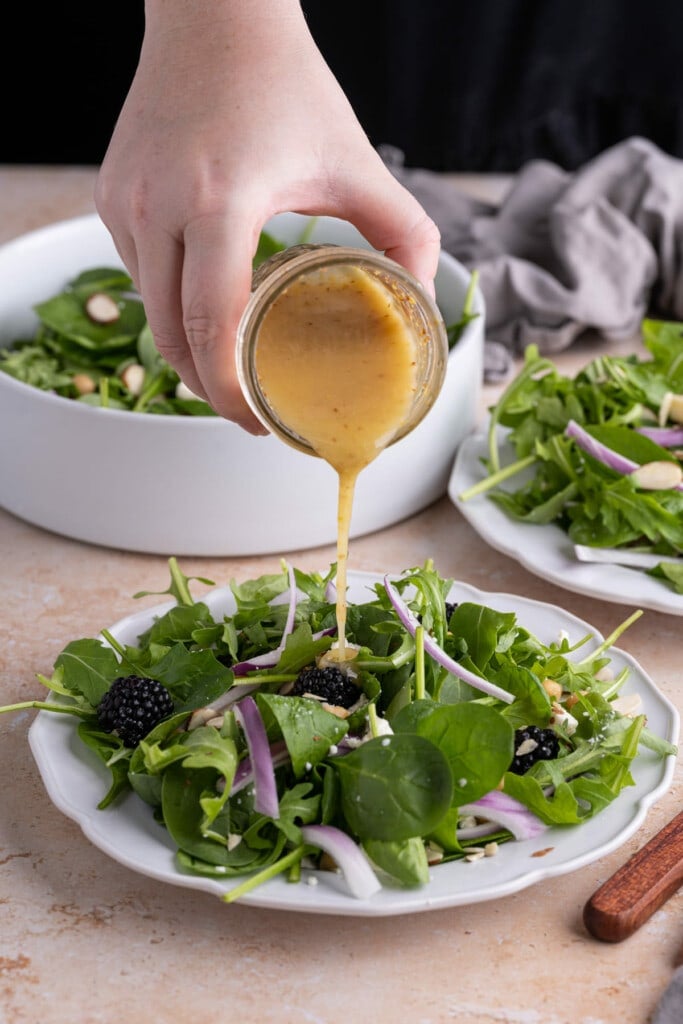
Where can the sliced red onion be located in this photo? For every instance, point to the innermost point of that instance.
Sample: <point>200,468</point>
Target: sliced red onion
<point>665,437</point>
<point>349,857</point>
<point>244,775</point>
<point>613,460</point>
<point>599,451</point>
<point>506,811</point>
<point>231,696</point>
<point>330,592</point>
<point>271,658</point>
<point>411,623</point>
<point>265,789</point>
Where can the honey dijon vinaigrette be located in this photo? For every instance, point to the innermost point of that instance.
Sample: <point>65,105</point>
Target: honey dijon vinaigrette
<point>336,361</point>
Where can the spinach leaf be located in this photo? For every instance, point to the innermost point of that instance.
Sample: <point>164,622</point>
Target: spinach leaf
<point>394,787</point>
<point>404,860</point>
<point>476,741</point>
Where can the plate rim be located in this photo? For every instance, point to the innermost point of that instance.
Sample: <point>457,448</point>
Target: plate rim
<point>335,900</point>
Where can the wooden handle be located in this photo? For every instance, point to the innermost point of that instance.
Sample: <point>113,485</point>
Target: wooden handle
<point>639,887</point>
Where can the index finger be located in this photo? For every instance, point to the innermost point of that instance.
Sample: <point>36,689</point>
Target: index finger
<point>216,283</point>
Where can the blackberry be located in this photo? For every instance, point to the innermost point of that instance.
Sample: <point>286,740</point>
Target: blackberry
<point>330,683</point>
<point>547,746</point>
<point>132,706</point>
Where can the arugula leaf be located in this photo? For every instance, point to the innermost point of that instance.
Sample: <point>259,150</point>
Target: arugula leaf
<point>307,728</point>
<point>89,669</point>
<point>552,480</point>
<point>672,572</point>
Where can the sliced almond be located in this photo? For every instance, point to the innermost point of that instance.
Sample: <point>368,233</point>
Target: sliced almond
<point>434,853</point>
<point>552,688</point>
<point>676,408</point>
<point>660,475</point>
<point>101,308</point>
<point>200,717</point>
<point>605,674</point>
<point>526,747</point>
<point>336,710</point>
<point>134,378</point>
<point>628,705</point>
<point>664,407</point>
<point>84,384</point>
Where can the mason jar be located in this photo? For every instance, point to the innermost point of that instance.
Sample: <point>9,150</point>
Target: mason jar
<point>306,265</point>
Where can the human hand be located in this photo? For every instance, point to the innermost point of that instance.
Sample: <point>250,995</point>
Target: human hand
<point>233,116</point>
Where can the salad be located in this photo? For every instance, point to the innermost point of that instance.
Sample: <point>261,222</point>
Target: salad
<point>600,454</point>
<point>93,344</point>
<point>453,731</point>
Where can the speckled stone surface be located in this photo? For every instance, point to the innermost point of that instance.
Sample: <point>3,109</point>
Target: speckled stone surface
<point>83,939</point>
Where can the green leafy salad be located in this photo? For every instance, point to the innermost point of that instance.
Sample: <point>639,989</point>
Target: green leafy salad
<point>451,731</point>
<point>600,454</point>
<point>93,344</point>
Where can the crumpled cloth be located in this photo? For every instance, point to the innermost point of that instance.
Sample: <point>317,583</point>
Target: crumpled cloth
<point>598,248</point>
<point>670,1007</point>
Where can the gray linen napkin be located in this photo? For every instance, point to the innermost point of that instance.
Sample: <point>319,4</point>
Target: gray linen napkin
<point>670,1008</point>
<point>565,252</point>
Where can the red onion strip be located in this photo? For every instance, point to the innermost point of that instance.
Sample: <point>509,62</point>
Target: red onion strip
<point>265,789</point>
<point>602,453</point>
<point>271,658</point>
<point>354,865</point>
<point>665,437</point>
<point>434,651</point>
<point>506,811</point>
<point>244,775</point>
<point>599,451</point>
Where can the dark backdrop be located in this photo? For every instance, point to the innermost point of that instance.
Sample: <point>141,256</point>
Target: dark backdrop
<point>477,86</point>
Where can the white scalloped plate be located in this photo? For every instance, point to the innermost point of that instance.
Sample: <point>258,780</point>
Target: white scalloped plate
<point>76,780</point>
<point>546,550</point>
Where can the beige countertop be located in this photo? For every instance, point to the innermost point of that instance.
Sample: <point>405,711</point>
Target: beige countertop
<point>83,939</point>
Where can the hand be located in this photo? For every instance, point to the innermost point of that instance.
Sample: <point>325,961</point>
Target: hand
<point>233,116</point>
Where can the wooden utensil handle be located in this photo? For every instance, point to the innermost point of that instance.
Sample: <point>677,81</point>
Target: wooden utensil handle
<point>639,887</point>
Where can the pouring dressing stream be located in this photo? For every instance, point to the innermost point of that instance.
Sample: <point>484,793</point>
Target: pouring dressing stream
<point>342,360</point>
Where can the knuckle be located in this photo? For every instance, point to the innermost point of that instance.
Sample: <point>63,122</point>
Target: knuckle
<point>170,345</point>
<point>202,332</point>
<point>425,231</point>
<point>430,231</point>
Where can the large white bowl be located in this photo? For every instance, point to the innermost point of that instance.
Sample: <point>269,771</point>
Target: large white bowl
<point>178,485</point>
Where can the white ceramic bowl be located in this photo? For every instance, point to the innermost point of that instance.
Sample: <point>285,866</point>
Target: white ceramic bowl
<point>176,485</point>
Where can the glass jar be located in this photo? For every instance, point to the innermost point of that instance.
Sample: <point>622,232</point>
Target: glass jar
<point>407,297</point>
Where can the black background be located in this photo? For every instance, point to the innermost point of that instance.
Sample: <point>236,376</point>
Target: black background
<point>477,86</point>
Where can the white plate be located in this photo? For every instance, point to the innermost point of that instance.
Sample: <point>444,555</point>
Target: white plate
<point>76,780</point>
<point>547,551</point>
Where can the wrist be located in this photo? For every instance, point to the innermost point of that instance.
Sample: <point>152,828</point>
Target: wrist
<point>170,15</point>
